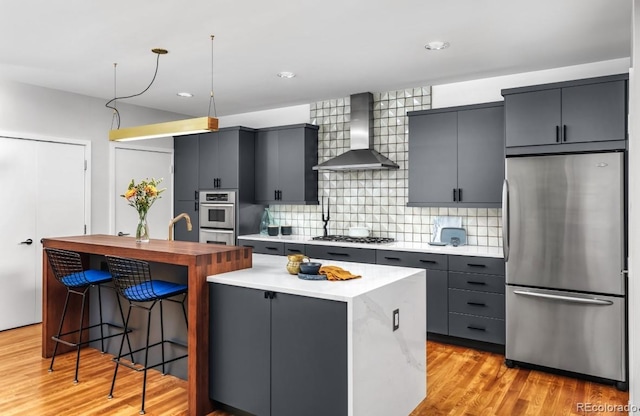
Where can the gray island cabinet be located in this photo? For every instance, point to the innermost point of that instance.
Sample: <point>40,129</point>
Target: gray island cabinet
<point>281,345</point>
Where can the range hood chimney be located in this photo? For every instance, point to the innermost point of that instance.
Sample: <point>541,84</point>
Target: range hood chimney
<point>361,155</point>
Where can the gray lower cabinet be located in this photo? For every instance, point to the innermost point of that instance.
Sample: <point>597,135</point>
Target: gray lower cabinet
<point>264,247</point>
<point>476,298</point>
<point>359,255</point>
<point>436,267</point>
<point>456,156</point>
<point>277,354</point>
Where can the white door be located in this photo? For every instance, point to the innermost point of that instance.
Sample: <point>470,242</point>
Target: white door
<point>138,163</point>
<point>61,198</point>
<point>44,195</point>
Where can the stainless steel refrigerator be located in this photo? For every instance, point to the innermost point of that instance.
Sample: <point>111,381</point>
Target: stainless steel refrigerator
<point>564,246</point>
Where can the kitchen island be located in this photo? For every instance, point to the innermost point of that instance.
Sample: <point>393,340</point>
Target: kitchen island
<point>287,346</point>
<point>200,261</point>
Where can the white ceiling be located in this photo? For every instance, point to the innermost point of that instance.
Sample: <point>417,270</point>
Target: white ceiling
<point>336,47</point>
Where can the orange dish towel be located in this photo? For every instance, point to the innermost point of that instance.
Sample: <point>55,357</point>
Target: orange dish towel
<point>337,273</point>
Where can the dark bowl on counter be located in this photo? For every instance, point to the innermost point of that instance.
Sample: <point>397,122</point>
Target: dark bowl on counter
<point>273,230</point>
<point>286,230</point>
<point>310,267</point>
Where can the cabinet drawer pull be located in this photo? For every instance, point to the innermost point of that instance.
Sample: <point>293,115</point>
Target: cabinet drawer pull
<point>428,261</point>
<point>337,254</point>
<point>392,258</point>
<point>471,282</point>
<point>476,265</point>
<point>476,304</point>
<point>293,250</point>
<point>247,245</point>
<point>271,248</point>
<point>475,328</point>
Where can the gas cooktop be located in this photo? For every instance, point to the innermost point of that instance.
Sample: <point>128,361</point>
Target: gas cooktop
<point>347,239</point>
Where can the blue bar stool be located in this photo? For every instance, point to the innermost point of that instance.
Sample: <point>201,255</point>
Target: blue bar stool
<point>132,279</point>
<point>68,269</point>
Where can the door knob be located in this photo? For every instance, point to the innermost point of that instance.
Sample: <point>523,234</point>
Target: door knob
<point>28,242</point>
<point>120,234</point>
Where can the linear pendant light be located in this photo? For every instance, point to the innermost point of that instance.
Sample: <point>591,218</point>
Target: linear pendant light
<point>170,128</point>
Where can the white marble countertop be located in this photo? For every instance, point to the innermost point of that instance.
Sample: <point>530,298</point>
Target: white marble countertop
<point>270,273</point>
<point>479,251</point>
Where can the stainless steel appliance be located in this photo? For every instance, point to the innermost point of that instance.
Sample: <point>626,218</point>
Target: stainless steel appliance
<point>564,246</point>
<point>218,217</point>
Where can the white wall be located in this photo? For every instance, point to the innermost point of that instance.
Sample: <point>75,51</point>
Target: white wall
<point>634,212</point>
<point>488,89</point>
<point>268,118</point>
<point>32,112</point>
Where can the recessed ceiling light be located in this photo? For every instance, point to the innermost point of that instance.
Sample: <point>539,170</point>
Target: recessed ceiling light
<point>286,74</point>
<point>185,94</point>
<point>436,45</point>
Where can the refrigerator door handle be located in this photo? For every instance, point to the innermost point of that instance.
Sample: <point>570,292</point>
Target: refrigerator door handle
<point>505,220</point>
<point>590,301</point>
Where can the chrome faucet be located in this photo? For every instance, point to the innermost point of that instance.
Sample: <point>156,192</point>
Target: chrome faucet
<point>175,220</point>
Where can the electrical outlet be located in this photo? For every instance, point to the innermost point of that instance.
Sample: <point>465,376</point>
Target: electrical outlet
<point>396,319</point>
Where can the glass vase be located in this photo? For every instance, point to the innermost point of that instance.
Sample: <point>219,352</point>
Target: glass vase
<point>142,230</point>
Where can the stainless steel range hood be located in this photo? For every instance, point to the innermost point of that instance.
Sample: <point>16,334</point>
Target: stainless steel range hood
<point>361,155</point>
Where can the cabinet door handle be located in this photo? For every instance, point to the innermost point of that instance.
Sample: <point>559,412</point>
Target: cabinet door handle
<point>459,194</point>
<point>454,194</point>
<point>392,258</point>
<point>471,282</point>
<point>195,206</point>
<point>557,134</point>
<point>279,195</point>
<point>338,254</point>
<point>564,132</point>
<point>428,261</point>
<point>196,195</point>
<point>476,304</point>
<point>475,328</point>
<point>275,194</point>
<point>476,265</point>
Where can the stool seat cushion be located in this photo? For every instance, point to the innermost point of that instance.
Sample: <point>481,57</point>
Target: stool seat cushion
<point>154,289</point>
<point>88,277</point>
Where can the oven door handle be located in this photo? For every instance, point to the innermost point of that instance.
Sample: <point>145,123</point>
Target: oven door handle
<point>215,230</point>
<point>210,205</point>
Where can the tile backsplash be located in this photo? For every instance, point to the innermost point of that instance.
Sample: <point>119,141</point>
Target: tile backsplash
<point>377,199</point>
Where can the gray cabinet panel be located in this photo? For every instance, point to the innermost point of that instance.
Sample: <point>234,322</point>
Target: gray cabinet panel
<point>180,232</point>
<point>481,138</point>
<point>266,165</point>
<point>532,118</point>
<point>185,173</point>
<point>412,259</point>
<point>290,177</point>
<point>476,281</point>
<point>471,302</point>
<point>360,255</point>
<point>484,265</point>
<point>594,112</point>
<point>240,348</point>
<point>432,157</point>
<point>228,159</point>
<point>437,302</point>
<point>308,356</point>
<point>264,247</point>
<point>478,328</point>
<point>208,160</point>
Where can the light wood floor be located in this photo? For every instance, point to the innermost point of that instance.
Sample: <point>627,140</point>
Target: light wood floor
<point>460,382</point>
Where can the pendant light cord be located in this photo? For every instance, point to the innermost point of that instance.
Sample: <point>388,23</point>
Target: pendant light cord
<point>116,113</point>
<point>212,99</point>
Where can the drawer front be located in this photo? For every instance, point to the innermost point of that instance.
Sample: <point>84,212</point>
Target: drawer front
<point>293,248</point>
<point>477,328</point>
<point>264,247</point>
<point>475,281</point>
<point>360,255</point>
<point>476,303</point>
<point>484,265</point>
<point>412,259</point>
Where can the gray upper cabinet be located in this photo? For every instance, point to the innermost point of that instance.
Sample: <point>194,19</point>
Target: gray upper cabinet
<point>580,115</point>
<point>220,158</point>
<point>185,173</point>
<point>284,160</point>
<point>456,156</point>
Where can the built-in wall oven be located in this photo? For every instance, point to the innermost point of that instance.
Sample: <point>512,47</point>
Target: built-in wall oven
<point>218,217</point>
